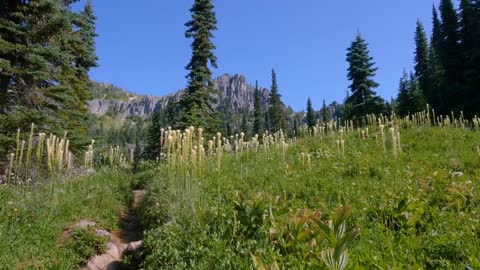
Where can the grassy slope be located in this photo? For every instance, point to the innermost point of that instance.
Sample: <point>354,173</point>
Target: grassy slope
<point>421,210</point>
<point>32,220</point>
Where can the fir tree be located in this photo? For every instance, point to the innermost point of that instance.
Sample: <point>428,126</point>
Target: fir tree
<point>38,73</point>
<point>196,106</point>
<point>410,96</point>
<point>416,98</point>
<point>171,113</point>
<point>137,156</point>
<point>450,55</point>
<point>310,114</point>
<point>245,126</point>
<point>470,45</point>
<point>325,116</point>
<point>403,98</point>
<point>435,67</point>
<point>421,60</point>
<point>276,109</point>
<point>82,46</point>
<point>361,72</point>
<point>258,115</point>
<point>153,144</point>
<point>436,30</point>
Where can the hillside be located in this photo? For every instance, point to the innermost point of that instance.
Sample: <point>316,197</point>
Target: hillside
<point>235,91</point>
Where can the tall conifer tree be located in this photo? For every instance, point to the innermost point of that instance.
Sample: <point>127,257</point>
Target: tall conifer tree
<point>258,114</point>
<point>196,106</point>
<point>421,60</point>
<point>325,116</point>
<point>310,114</point>
<point>450,56</point>
<point>276,109</point>
<point>39,79</point>
<point>361,71</point>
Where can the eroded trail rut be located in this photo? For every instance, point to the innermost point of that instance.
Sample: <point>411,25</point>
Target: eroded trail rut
<point>126,240</point>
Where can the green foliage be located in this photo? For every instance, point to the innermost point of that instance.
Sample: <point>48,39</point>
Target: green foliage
<point>196,105</point>
<point>325,114</point>
<point>108,91</point>
<point>36,218</point>
<point>421,61</point>
<point>258,112</point>
<point>311,121</point>
<point>153,143</point>
<point>245,126</point>
<point>265,210</point>
<point>276,110</point>
<point>361,71</point>
<point>410,96</point>
<point>447,72</point>
<point>84,243</point>
<point>46,50</point>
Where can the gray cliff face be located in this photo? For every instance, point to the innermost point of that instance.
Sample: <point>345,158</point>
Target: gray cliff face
<point>235,92</point>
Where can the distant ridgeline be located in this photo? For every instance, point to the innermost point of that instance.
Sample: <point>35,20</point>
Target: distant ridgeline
<point>235,93</point>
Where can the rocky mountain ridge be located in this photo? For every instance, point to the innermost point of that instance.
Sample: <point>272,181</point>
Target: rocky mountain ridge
<point>235,92</point>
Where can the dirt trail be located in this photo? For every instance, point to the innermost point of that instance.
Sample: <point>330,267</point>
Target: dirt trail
<point>127,239</point>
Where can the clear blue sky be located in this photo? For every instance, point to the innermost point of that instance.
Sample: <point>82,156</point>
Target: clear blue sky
<point>142,47</point>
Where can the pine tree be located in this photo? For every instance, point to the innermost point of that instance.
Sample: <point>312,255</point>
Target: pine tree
<point>435,67</point>
<point>421,61</point>
<point>137,156</point>
<point>403,98</point>
<point>450,56</point>
<point>258,115</point>
<point>276,109</point>
<point>361,72</point>
<point>171,113</point>
<point>416,98</point>
<point>153,144</point>
<point>325,114</point>
<point>245,126</point>
<point>196,106</point>
<point>39,81</point>
<point>310,114</point>
<point>470,45</point>
<point>410,97</point>
<point>436,31</point>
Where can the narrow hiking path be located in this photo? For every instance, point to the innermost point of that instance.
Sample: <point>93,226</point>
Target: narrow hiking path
<point>126,240</point>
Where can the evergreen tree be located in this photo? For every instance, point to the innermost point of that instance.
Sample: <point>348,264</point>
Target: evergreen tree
<point>435,67</point>
<point>416,98</point>
<point>310,114</point>
<point>410,96</point>
<point>325,116</point>
<point>361,72</point>
<point>436,31</point>
<point>226,116</point>
<point>137,156</point>
<point>276,109</point>
<point>153,144</point>
<point>39,78</point>
<point>196,106</point>
<point>245,126</point>
<point>82,46</point>
<point>258,115</point>
<point>450,55</point>
<point>171,113</point>
<point>403,98</point>
<point>421,60</point>
<point>470,45</point>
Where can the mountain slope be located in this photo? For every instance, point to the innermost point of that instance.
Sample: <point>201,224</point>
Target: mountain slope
<point>235,93</point>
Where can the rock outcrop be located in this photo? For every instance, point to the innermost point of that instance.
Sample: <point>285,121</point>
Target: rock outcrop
<point>235,92</point>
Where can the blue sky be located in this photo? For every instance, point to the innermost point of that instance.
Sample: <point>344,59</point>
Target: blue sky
<point>142,47</point>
